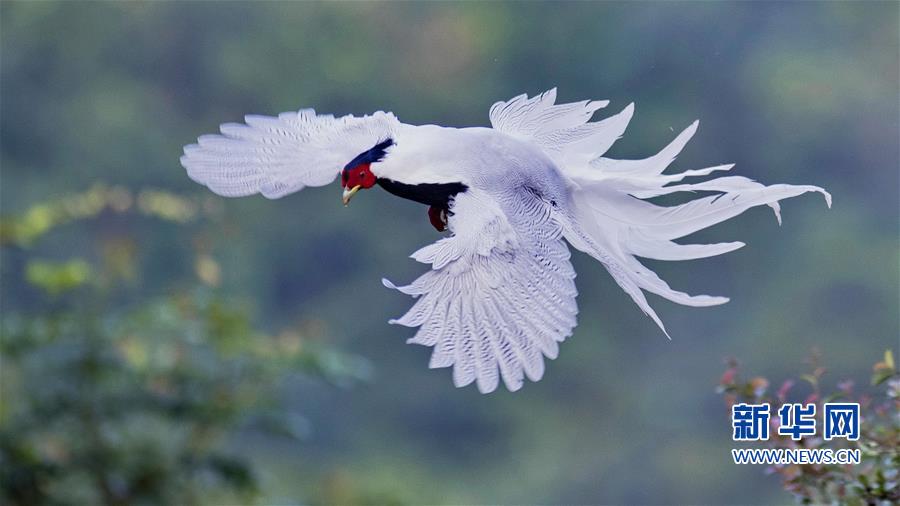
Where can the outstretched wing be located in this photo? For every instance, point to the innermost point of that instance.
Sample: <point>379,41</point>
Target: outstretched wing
<point>562,131</point>
<point>276,156</point>
<point>500,294</point>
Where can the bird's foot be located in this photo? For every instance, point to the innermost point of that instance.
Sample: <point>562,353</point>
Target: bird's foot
<point>438,218</point>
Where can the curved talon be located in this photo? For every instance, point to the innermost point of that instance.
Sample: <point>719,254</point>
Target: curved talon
<point>438,218</point>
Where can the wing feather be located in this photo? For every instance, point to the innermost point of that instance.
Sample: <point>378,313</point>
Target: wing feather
<point>500,294</point>
<point>279,155</point>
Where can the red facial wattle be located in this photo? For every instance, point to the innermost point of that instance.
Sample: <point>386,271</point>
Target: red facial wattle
<point>360,175</point>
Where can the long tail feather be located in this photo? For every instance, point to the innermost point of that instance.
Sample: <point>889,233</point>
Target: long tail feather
<point>616,224</point>
<point>609,216</point>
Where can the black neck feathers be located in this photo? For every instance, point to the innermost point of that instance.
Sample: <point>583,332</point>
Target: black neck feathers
<point>430,194</point>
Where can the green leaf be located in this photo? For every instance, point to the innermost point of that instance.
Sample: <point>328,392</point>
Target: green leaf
<point>881,375</point>
<point>55,278</point>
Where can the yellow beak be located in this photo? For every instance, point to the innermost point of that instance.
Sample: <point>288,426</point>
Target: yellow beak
<point>348,194</point>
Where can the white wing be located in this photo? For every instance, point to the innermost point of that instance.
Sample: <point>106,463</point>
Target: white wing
<point>500,294</point>
<point>558,128</point>
<point>612,220</point>
<point>276,156</point>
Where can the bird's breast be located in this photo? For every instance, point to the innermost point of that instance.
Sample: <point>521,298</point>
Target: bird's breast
<point>430,194</point>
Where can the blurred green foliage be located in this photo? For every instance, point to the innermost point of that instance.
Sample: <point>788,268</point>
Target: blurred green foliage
<point>793,92</point>
<point>112,403</point>
<point>876,480</point>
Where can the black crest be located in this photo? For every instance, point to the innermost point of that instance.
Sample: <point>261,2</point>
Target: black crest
<point>376,154</point>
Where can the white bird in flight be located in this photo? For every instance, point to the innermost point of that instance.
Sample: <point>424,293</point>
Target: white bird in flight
<point>500,293</point>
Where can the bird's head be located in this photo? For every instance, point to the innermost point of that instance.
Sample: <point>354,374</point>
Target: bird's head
<point>358,173</point>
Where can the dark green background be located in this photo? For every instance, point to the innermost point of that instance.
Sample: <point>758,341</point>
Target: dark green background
<point>791,92</point>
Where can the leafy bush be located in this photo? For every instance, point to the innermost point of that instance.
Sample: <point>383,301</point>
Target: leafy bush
<point>115,399</point>
<point>875,480</point>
